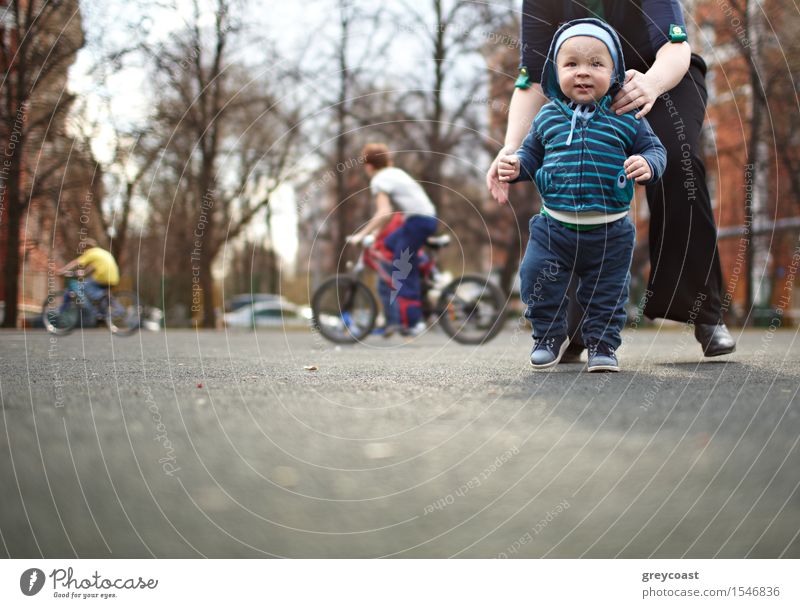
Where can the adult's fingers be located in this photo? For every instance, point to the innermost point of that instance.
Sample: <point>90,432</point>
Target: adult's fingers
<point>625,101</point>
<point>647,107</point>
<point>499,191</point>
<point>633,104</point>
<point>491,174</point>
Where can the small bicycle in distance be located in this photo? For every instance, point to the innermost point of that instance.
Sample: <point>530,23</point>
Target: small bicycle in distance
<point>470,308</point>
<point>61,311</point>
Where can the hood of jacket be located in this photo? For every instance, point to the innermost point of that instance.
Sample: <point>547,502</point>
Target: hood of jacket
<point>549,73</point>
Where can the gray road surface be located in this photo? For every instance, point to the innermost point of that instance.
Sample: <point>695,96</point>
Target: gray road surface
<point>185,444</point>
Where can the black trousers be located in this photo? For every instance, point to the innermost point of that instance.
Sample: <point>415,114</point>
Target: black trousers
<point>685,277</point>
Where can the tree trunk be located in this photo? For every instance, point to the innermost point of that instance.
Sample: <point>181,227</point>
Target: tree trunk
<point>340,213</point>
<point>274,283</point>
<point>14,212</point>
<point>757,167</point>
<point>272,259</point>
<point>207,290</point>
<point>204,232</point>
<point>433,172</point>
<point>121,234</point>
<point>13,262</point>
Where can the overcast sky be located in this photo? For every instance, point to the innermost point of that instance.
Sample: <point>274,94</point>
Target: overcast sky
<point>298,28</point>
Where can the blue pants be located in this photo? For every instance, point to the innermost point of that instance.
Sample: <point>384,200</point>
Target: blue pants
<point>404,243</point>
<point>600,259</point>
<point>90,292</point>
<point>391,308</point>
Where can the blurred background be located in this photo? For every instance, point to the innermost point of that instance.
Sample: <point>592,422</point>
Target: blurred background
<point>213,145</point>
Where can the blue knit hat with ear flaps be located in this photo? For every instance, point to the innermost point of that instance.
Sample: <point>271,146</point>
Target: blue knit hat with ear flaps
<point>594,28</point>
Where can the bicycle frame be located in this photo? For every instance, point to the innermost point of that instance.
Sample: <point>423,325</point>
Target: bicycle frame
<point>374,258</point>
<point>72,289</point>
<point>440,297</point>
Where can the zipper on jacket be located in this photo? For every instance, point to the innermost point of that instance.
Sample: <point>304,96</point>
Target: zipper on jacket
<point>584,134</point>
<point>580,166</point>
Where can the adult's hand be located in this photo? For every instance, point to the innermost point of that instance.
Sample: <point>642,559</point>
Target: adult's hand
<point>498,189</point>
<point>640,91</point>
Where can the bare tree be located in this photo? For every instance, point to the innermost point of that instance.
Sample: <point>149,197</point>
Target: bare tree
<point>453,34</point>
<point>746,28</point>
<point>39,41</point>
<point>133,152</point>
<point>230,143</point>
<point>356,57</point>
<point>782,61</point>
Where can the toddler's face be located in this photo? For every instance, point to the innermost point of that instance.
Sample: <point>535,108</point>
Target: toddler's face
<point>584,68</point>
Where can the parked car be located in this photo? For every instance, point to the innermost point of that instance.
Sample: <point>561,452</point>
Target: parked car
<point>276,313</point>
<point>246,299</point>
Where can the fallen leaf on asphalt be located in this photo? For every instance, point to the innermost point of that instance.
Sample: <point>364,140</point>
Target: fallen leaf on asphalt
<point>285,476</point>
<point>378,450</point>
<point>311,368</point>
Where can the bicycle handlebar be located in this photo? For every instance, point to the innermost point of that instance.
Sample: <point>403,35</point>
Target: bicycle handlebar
<point>366,242</point>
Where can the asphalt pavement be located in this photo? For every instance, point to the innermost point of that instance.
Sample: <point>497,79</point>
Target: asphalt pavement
<point>273,444</point>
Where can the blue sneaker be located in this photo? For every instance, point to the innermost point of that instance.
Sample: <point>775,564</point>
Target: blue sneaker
<point>547,351</point>
<point>602,358</point>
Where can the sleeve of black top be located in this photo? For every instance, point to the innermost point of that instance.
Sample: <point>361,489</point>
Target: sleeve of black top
<point>537,31</point>
<point>659,15</point>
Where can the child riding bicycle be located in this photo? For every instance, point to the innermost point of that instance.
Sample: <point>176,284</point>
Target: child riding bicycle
<point>99,273</point>
<point>396,191</point>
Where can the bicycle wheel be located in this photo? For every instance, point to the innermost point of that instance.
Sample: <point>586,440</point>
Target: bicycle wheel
<point>344,309</point>
<point>60,312</point>
<point>471,309</point>
<point>122,314</point>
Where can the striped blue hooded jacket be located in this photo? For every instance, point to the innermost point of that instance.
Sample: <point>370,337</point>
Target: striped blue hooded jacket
<point>577,163</point>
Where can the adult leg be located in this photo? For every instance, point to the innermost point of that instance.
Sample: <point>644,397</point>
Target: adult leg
<point>91,293</point>
<point>685,278</point>
<point>390,308</point>
<point>406,288</point>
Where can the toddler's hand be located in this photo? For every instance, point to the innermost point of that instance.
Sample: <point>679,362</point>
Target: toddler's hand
<point>508,168</point>
<point>637,168</point>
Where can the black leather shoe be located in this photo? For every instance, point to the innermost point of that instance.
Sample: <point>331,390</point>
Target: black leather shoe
<point>573,353</point>
<point>716,340</point>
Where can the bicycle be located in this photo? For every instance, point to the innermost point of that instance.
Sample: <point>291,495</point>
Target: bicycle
<point>470,308</point>
<point>61,311</point>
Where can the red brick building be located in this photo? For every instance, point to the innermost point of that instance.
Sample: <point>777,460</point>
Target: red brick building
<point>52,165</point>
<point>722,38</point>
